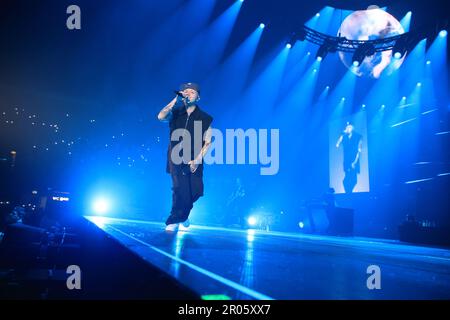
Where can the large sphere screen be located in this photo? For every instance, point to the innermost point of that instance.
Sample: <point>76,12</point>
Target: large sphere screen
<point>370,25</point>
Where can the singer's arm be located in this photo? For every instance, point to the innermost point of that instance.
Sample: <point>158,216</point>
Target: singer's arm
<point>357,154</point>
<point>194,164</point>
<point>338,143</point>
<point>166,112</point>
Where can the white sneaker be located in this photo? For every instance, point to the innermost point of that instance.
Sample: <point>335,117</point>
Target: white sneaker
<point>172,227</point>
<point>184,226</point>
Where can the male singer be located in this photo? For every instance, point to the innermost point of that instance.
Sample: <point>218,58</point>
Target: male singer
<point>352,142</point>
<point>183,113</point>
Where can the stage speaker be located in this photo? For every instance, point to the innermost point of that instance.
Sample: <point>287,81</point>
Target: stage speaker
<point>414,232</point>
<point>341,222</point>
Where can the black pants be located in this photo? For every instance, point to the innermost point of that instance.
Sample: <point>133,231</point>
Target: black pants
<point>350,180</point>
<point>186,189</point>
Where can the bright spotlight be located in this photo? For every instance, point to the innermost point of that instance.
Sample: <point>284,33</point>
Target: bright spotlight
<point>404,98</point>
<point>252,221</point>
<point>419,84</point>
<point>363,51</point>
<point>288,46</point>
<point>443,33</point>
<point>262,26</point>
<point>428,62</point>
<point>319,58</point>
<point>317,15</point>
<point>400,48</point>
<point>301,225</point>
<point>326,47</point>
<point>100,205</point>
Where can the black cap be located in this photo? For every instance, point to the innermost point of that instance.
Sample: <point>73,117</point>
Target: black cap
<point>190,85</point>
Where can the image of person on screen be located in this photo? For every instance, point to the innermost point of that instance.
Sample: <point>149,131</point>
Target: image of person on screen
<point>351,142</point>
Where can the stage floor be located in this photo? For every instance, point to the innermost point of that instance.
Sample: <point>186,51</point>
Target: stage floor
<point>252,264</point>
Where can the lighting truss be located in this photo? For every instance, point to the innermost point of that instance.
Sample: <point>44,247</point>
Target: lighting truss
<point>343,44</point>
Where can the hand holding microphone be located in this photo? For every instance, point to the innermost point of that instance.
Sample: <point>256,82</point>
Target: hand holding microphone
<point>180,100</point>
<point>184,99</point>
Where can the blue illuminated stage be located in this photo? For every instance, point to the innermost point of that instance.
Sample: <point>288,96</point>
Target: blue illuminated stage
<point>255,264</point>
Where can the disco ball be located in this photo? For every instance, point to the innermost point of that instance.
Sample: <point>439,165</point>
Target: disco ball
<point>371,24</point>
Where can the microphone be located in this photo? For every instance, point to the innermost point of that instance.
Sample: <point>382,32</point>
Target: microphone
<point>185,100</point>
<point>181,100</point>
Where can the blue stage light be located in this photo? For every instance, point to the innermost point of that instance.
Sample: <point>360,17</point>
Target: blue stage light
<point>262,25</point>
<point>288,46</point>
<point>317,14</point>
<point>301,225</point>
<point>397,55</point>
<point>443,33</point>
<point>419,84</point>
<point>364,50</point>
<point>322,52</point>
<point>252,221</point>
<point>101,205</point>
<point>406,21</point>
